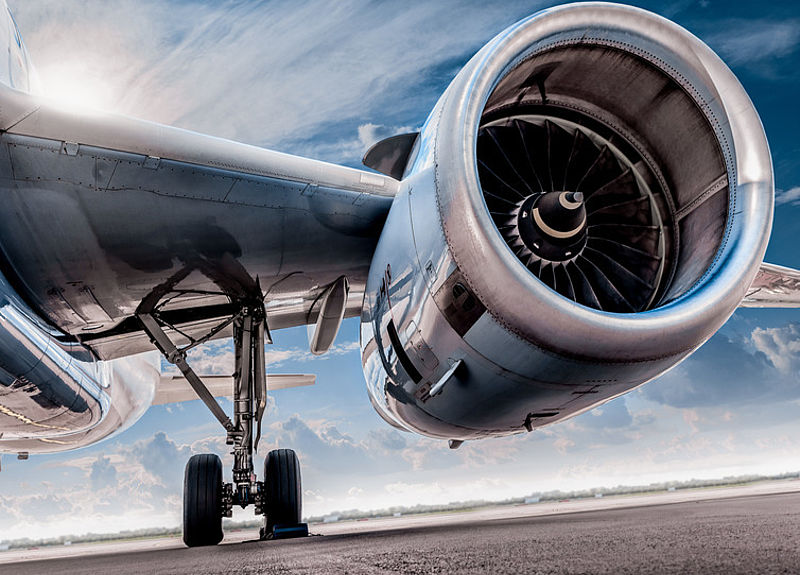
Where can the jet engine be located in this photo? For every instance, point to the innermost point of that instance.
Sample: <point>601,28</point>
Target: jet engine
<point>585,206</point>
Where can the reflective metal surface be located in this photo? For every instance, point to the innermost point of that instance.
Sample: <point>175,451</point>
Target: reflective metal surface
<point>672,329</point>
<point>774,286</point>
<point>456,292</point>
<point>109,228</point>
<point>55,397</point>
<point>460,338</point>
<point>100,212</point>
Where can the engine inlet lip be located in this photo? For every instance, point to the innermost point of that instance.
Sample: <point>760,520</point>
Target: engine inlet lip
<point>667,331</point>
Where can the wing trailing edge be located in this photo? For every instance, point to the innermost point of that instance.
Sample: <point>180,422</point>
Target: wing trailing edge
<point>774,286</point>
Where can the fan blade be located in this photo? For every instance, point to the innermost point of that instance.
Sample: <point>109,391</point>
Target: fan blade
<point>563,281</point>
<point>584,293</point>
<point>534,264</point>
<point>559,144</point>
<point>644,238</point>
<point>603,287</point>
<point>636,294</point>
<point>508,157</point>
<point>583,154</point>
<point>620,189</point>
<point>605,169</point>
<point>630,212</point>
<point>546,274</point>
<point>641,264</point>
<point>535,139</point>
<point>499,185</point>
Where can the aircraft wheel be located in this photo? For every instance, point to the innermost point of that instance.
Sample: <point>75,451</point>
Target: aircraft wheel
<point>202,501</point>
<point>284,497</point>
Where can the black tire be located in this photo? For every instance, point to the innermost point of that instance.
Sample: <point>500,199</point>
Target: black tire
<point>283,489</point>
<point>202,501</point>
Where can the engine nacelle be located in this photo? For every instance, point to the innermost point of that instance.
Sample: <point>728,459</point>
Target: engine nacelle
<point>585,206</point>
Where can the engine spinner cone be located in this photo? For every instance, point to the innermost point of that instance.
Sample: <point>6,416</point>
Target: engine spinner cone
<point>553,225</point>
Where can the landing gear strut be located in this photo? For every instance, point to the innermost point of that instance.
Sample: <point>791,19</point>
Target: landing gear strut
<point>206,498</point>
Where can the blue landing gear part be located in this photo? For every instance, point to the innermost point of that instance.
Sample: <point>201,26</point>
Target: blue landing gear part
<point>289,531</point>
<point>283,496</point>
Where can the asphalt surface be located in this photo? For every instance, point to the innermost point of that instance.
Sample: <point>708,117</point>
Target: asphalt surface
<point>750,534</point>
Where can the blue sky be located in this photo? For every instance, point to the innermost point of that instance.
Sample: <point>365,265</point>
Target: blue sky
<point>326,80</point>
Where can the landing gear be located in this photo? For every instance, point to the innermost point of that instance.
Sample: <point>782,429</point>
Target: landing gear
<point>202,501</point>
<point>283,495</point>
<point>206,499</point>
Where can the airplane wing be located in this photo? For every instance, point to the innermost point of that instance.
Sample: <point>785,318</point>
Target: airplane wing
<point>175,388</point>
<point>774,286</point>
<point>104,211</point>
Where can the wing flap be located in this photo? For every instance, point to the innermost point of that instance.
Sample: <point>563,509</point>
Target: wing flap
<point>774,286</point>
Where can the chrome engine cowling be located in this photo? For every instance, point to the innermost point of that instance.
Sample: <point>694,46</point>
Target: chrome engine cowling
<point>585,206</point>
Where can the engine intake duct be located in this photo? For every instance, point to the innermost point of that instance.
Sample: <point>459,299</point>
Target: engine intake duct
<point>575,210</point>
<point>614,114</point>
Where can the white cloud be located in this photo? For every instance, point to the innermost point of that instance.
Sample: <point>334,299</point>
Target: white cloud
<point>754,41</point>
<point>387,439</point>
<point>369,134</point>
<point>781,345</point>
<point>125,487</point>
<point>730,371</point>
<point>790,196</point>
<point>421,490</point>
<point>563,444</point>
<point>217,358</point>
<point>691,418</point>
<point>103,473</point>
<point>274,74</point>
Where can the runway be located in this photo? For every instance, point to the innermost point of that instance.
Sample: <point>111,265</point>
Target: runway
<point>737,530</point>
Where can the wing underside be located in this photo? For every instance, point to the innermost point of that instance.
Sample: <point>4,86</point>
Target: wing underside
<point>101,212</point>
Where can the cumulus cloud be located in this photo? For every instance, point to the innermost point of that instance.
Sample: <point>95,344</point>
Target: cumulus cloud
<point>214,358</point>
<point>611,415</point>
<point>324,447</point>
<point>387,439</point>
<point>369,134</point>
<point>277,357</point>
<point>217,357</point>
<point>781,346</point>
<point>49,505</point>
<point>161,457</point>
<point>563,444</point>
<point>724,371</point>
<point>728,371</point>
<point>103,473</point>
<point>691,418</point>
<point>124,486</point>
